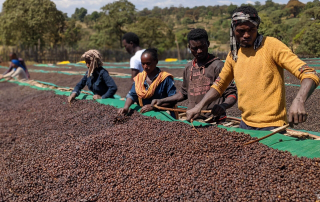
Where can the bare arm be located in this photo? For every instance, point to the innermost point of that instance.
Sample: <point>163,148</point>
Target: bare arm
<point>125,109</point>
<point>210,96</point>
<point>229,102</point>
<point>134,73</point>
<point>178,97</point>
<point>297,113</point>
<point>8,70</point>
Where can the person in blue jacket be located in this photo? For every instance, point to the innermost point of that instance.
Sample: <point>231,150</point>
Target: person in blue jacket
<point>96,78</point>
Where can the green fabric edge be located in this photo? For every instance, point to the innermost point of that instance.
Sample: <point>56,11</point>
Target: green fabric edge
<point>306,148</point>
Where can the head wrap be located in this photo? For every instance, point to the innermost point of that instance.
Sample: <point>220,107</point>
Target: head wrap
<point>238,18</point>
<point>95,60</point>
<point>16,62</point>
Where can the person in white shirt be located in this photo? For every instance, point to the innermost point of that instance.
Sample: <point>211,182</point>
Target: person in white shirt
<point>130,41</point>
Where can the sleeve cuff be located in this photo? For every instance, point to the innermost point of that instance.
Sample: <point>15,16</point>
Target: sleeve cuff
<point>130,96</point>
<point>217,89</point>
<point>76,92</point>
<point>312,76</point>
<point>235,97</point>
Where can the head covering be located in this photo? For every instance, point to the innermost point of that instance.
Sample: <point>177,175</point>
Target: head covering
<point>16,62</point>
<point>95,60</point>
<point>238,18</point>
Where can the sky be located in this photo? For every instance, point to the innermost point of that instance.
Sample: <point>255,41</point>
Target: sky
<point>69,6</point>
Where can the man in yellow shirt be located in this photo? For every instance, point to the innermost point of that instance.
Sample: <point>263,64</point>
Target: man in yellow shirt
<point>256,64</point>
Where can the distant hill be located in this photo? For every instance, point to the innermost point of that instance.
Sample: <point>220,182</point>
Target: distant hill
<point>295,7</point>
<point>294,3</point>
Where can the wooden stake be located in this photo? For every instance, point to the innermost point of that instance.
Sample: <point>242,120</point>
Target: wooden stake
<point>275,131</point>
<point>195,128</point>
<point>178,110</point>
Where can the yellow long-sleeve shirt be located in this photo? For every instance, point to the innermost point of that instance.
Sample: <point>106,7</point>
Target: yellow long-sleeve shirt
<point>258,75</point>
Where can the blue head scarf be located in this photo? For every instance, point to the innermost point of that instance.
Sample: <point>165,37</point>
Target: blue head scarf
<point>16,62</point>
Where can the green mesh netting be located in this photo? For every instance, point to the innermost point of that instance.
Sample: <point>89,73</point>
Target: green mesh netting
<point>50,66</point>
<point>56,72</point>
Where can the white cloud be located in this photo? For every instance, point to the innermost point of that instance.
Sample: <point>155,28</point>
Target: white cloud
<point>250,2</point>
<point>225,2</point>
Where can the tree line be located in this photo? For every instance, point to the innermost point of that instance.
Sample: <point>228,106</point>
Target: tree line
<point>38,23</point>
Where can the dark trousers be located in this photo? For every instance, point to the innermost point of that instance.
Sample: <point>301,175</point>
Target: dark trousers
<point>243,125</point>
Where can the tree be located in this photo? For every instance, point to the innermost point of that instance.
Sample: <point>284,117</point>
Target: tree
<point>115,16</point>
<point>295,7</point>
<point>269,3</point>
<point>257,4</point>
<point>186,21</point>
<point>275,16</point>
<point>79,14</point>
<point>29,22</point>
<point>310,39</point>
<point>153,32</point>
<point>210,14</point>
<point>181,36</point>
<point>94,16</point>
<point>231,8</point>
<point>313,13</point>
<point>72,34</point>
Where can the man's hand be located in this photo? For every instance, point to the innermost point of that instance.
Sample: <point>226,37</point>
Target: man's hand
<point>193,113</point>
<point>123,111</point>
<point>156,102</point>
<point>95,97</point>
<point>71,97</point>
<point>218,110</point>
<point>297,113</point>
<point>1,76</point>
<point>146,108</point>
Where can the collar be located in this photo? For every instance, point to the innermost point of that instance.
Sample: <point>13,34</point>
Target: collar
<point>209,59</point>
<point>159,70</point>
<point>257,43</point>
<point>97,71</point>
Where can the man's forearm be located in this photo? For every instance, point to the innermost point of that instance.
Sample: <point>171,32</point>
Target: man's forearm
<point>128,103</point>
<point>210,96</point>
<point>229,102</point>
<point>306,89</point>
<point>178,97</point>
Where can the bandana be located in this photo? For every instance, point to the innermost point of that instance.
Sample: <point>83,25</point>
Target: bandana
<point>238,18</point>
<point>95,60</point>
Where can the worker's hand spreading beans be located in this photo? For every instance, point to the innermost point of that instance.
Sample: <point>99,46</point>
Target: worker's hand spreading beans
<point>71,97</point>
<point>193,113</point>
<point>97,97</point>
<point>146,108</point>
<point>123,111</point>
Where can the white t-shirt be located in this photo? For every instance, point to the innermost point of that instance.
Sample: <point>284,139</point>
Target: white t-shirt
<point>135,61</point>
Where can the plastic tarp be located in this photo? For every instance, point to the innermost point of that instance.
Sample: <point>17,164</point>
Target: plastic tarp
<point>306,148</point>
<point>58,72</point>
<point>50,66</point>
